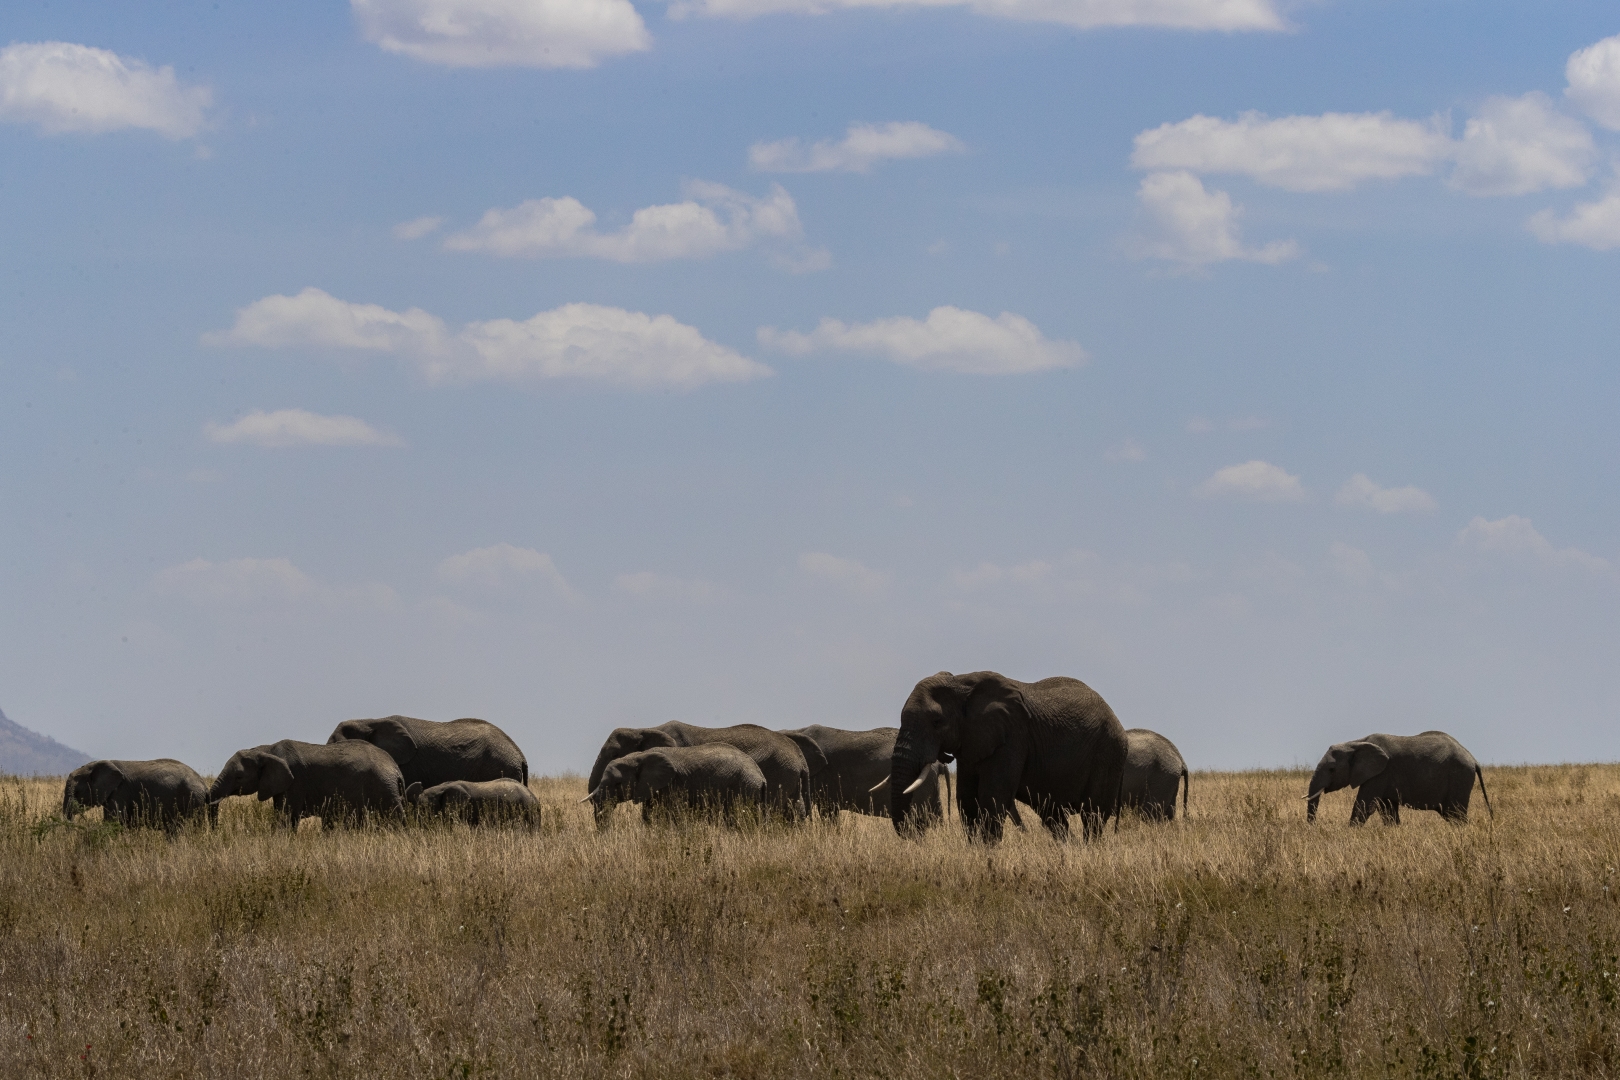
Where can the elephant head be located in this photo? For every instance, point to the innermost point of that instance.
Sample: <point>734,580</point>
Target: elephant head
<point>943,711</point>
<point>623,742</point>
<point>252,772</point>
<point>388,734</point>
<point>633,778</point>
<point>1348,764</point>
<point>90,785</point>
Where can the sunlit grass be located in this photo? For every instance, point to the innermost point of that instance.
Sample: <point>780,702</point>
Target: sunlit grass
<point>1241,942</point>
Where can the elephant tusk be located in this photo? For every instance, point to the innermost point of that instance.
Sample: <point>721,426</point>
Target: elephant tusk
<point>591,796</point>
<point>915,784</point>
<point>878,787</point>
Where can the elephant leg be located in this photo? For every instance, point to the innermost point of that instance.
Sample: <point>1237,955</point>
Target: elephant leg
<point>1391,811</point>
<point>1361,811</point>
<point>1057,823</point>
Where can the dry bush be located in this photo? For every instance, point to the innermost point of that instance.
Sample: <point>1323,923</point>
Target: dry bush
<point>1240,943</point>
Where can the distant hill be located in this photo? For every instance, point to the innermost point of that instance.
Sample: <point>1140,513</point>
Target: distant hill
<point>28,753</point>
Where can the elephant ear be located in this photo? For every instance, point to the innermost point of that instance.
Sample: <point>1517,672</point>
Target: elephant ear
<point>275,777</point>
<point>392,738</point>
<point>990,693</point>
<point>1367,760</point>
<point>653,737</point>
<point>654,773</point>
<point>104,780</point>
<point>349,730</point>
<point>814,757</point>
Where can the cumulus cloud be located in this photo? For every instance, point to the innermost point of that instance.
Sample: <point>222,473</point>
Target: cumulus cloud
<point>1360,490</point>
<point>505,566</point>
<point>575,341</point>
<point>845,572</point>
<point>416,228</point>
<point>1331,152</point>
<point>862,146</point>
<point>987,573</point>
<point>75,88</point>
<point>299,427</point>
<point>1260,481</point>
<point>235,581</point>
<point>1594,81</point>
<point>1519,145</point>
<point>949,339</point>
<point>1350,562</point>
<point>1081,14</point>
<point>646,585</point>
<point>1591,224</point>
<point>714,219</point>
<point>1516,536</point>
<point>1193,227</point>
<point>504,33</point>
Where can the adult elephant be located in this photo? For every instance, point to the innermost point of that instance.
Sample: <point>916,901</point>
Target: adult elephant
<point>785,765</point>
<point>1055,744</point>
<point>856,774</point>
<point>1428,771</point>
<point>431,753</point>
<point>714,777</point>
<point>1153,771</point>
<point>160,793</point>
<point>333,781</point>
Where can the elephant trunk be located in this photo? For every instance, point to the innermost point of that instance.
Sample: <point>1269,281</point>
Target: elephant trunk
<point>1314,796</point>
<point>906,771</point>
<point>70,805</point>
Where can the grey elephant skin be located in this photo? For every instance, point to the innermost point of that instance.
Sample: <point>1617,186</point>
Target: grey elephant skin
<point>431,752</point>
<point>477,802</point>
<point>1054,744</point>
<point>160,793</point>
<point>780,759</point>
<point>713,778</point>
<point>1429,771</point>
<point>1153,771</point>
<point>337,782</point>
<point>856,773</point>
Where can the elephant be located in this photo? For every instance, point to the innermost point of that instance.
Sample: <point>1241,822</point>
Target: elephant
<point>134,793</point>
<point>856,776</point>
<point>332,781</point>
<point>430,753</point>
<point>665,779</point>
<point>786,765</point>
<point>1055,744</point>
<point>1153,771</point>
<point>1428,771</point>
<point>477,801</point>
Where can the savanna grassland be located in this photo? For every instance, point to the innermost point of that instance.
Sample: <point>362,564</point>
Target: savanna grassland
<point>1241,942</point>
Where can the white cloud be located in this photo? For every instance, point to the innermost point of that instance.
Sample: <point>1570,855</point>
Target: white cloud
<point>714,219</point>
<point>1594,81</point>
<point>1257,480</point>
<point>863,146</point>
<point>1081,14</point>
<point>950,339</point>
<point>1519,145</point>
<point>646,585</point>
<point>75,88</point>
<point>504,566</point>
<point>1351,562</point>
<point>1516,536</point>
<point>1129,450</point>
<point>1591,224</point>
<point>236,581</point>
<point>1331,152</point>
<point>416,228</point>
<point>846,572</point>
<point>1360,490</point>
<point>504,33</point>
<point>1194,227</point>
<point>580,341</point>
<point>987,573</point>
<point>298,427</point>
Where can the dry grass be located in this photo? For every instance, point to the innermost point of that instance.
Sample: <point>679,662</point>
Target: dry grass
<point>1240,943</point>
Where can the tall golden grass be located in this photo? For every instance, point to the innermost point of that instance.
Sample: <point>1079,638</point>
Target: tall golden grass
<point>1241,942</point>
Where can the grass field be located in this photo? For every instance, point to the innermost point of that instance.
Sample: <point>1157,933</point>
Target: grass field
<point>1241,942</point>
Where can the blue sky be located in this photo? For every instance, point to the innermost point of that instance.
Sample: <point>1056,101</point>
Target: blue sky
<point>575,364</point>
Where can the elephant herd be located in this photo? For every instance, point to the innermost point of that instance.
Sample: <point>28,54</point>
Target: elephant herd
<point>1053,745</point>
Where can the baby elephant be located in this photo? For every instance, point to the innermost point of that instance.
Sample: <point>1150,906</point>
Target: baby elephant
<point>1153,772</point>
<point>1430,771</point>
<point>158,793</point>
<point>705,778</point>
<point>477,801</point>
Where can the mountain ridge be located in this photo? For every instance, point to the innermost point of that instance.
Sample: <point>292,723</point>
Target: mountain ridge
<point>28,753</point>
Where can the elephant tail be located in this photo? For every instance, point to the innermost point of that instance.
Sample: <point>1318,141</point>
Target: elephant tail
<point>1186,790</point>
<point>1483,792</point>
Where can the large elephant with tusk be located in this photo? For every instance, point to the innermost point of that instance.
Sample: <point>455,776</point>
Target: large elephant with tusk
<point>856,774</point>
<point>780,759</point>
<point>1053,744</point>
<point>1428,771</point>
